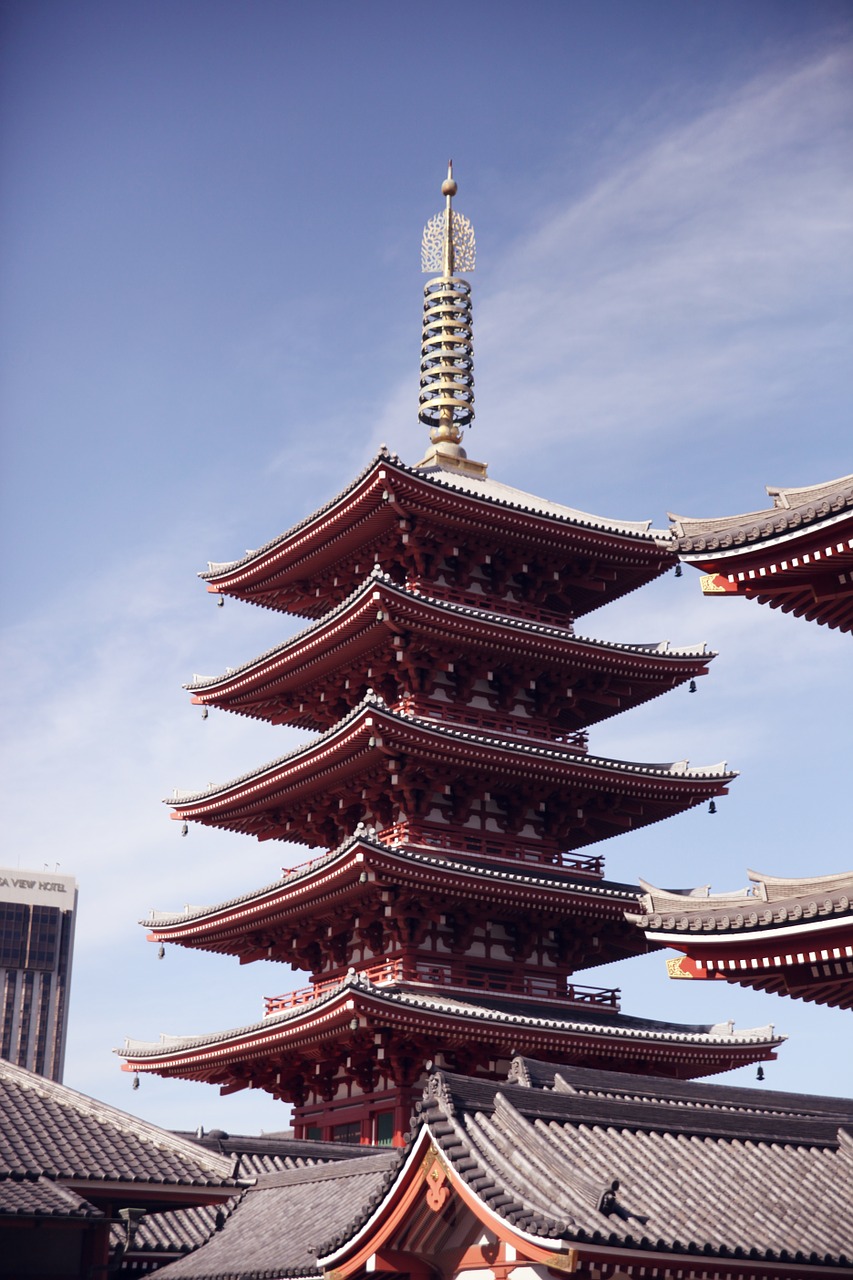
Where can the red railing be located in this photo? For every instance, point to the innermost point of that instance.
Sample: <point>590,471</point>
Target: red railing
<point>491,722</point>
<point>387,971</point>
<point>470,978</point>
<point>398,833</point>
<point>490,602</point>
<point>495,849</point>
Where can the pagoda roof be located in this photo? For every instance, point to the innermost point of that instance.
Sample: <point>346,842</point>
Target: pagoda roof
<point>796,555</point>
<point>219,927</point>
<point>373,734</point>
<point>357,625</point>
<point>704,1049</point>
<point>376,500</point>
<point>790,936</point>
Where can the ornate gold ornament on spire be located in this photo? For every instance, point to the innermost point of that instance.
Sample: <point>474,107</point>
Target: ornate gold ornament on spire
<point>447,350</point>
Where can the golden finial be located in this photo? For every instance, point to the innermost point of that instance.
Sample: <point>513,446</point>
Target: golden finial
<point>447,351</point>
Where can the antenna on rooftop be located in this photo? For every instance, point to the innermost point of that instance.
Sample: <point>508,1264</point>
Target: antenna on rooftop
<point>447,350</point>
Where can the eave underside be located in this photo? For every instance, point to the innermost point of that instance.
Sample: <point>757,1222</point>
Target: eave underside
<point>323,1039</point>
<point>398,642</point>
<point>395,516</point>
<point>381,769</point>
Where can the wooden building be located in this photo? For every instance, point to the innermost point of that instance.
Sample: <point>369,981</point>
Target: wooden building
<point>562,1170</point>
<point>796,556</point>
<point>459,891</point>
<point>793,937</point>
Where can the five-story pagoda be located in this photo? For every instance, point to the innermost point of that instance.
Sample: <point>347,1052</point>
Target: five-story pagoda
<point>451,790</point>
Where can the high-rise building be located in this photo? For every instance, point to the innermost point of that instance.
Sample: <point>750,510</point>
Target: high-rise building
<point>37,916</point>
<point>459,891</point>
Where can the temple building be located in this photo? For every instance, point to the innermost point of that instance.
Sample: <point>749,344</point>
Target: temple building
<point>458,895</point>
<point>793,937</point>
<point>796,556</point>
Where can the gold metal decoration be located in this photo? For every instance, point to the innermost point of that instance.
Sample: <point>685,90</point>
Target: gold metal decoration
<point>447,351</point>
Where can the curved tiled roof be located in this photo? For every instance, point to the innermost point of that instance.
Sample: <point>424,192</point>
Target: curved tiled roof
<point>535,750</point>
<point>576,1158</point>
<point>46,1128</point>
<point>509,1012</point>
<point>29,1195</point>
<point>541,877</point>
<point>767,904</point>
<point>793,510</point>
<point>516,625</point>
<point>492,492</point>
<point>179,1231</point>
<point>275,1229</point>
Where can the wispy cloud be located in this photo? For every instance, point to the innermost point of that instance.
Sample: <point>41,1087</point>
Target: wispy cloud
<point>699,282</point>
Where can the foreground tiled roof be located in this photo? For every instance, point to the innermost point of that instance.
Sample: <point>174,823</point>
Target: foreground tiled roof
<point>48,1129</point>
<point>32,1196</point>
<point>278,1224</point>
<point>716,1173</point>
<point>583,1158</point>
<point>179,1231</point>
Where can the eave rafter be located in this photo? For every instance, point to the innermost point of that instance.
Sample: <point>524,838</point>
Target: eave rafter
<point>367,888</point>
<point>397,641</point>
<point>380,767</point>
<point>393,514</point>
<point>386,1023</point>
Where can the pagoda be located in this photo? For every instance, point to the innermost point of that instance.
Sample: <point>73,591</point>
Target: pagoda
<point>451,792</point>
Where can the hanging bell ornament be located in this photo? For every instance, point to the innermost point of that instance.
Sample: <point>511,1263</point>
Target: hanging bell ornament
<point>678,570</point>
<point>692,686</point>
<point>712,807</point>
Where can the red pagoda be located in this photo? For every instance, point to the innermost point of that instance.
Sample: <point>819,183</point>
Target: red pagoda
<point>451,790</point>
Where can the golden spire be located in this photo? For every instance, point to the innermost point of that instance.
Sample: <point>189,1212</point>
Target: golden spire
<point>447,350</point>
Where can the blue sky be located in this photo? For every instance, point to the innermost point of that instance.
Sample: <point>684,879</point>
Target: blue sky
<point>210,227</point>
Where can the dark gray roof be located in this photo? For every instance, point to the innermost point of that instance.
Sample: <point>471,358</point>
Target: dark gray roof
<point>600,1167</point>
<point>591,1082</point>
<point>278,1224</point>
<point>178,1231</point>
<point>32,1196</point>
<point>48,1129</point>
<point>587,1157</point>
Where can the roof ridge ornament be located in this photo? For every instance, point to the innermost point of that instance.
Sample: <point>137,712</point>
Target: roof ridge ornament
<point>447,348</point>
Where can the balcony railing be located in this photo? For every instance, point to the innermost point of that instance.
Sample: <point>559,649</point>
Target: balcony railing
<point>492,848</point>
<point>462,717</point>
<point>469,978</point>
<point>492,603</point>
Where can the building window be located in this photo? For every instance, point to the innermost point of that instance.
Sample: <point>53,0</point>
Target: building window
<point>383,1129</point>
<point>350,1133</point>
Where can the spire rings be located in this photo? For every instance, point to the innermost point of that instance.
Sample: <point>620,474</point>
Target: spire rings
<point>447,358</point>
